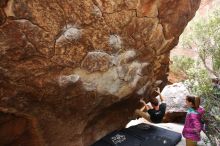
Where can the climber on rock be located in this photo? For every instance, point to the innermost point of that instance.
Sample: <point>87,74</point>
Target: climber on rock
<point>155,112</point>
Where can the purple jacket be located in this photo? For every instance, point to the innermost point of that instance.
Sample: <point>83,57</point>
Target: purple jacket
<point>193,125</point>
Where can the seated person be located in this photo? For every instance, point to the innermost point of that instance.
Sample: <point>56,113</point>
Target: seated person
<point>155,113</point>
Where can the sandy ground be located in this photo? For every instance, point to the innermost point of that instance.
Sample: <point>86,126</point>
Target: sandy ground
<point>170,126</point>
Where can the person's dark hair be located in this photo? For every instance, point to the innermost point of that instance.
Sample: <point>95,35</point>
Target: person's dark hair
<point>195,100</point>
<point>154,101</point>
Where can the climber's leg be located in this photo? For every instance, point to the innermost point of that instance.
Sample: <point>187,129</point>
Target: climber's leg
<point>143,114</point>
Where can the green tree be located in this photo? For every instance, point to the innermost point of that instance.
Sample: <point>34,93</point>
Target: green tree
<point>203,35</point>
<point>181,64</point>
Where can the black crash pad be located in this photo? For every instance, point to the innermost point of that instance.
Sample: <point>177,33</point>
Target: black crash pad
<point>140,135</point>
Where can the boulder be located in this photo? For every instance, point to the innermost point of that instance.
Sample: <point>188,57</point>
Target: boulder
<point>176,105</point>
<point>79,67</point>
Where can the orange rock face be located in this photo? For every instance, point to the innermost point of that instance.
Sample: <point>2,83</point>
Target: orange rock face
<point>79,67</point>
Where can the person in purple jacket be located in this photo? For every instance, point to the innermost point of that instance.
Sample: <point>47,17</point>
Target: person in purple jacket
<point>193,123</point>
